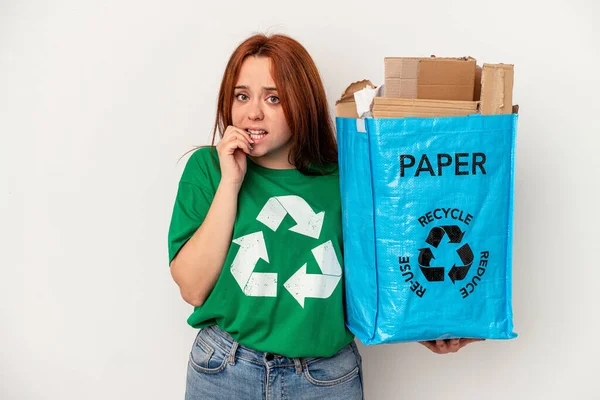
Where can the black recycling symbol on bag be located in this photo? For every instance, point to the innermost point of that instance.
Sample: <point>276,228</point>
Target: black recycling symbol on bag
<point>435,273</point>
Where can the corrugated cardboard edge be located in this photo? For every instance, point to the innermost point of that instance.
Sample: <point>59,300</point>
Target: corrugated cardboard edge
<point>497,83</point>
<point>348,94</point>
<point>345,106</point>
<point>477,89</point>
<point>385,107</point>
<point>401,67</point>
<point>398,102</point>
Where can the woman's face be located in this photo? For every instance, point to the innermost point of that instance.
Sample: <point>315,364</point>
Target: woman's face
<point>257,109</point>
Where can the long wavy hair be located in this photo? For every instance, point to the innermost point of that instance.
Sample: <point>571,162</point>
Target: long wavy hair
<point>302,95</point>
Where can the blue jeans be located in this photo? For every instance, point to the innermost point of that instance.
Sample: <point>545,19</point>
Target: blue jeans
<point>220,368</point>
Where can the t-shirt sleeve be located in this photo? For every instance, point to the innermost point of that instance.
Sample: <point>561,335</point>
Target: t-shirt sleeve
<point>194,197</point>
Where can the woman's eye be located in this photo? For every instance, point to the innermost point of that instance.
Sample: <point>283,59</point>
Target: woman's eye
<point>273,99</point>
<point>241,96</point>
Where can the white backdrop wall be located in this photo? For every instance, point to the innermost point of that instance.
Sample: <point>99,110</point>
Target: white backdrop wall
<point>98,100</point>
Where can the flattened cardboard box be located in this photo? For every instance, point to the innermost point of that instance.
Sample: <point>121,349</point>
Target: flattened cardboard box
<point>430,78</point>
<point>384,107</point>
<point>401,74</point>
<point>446,79</point>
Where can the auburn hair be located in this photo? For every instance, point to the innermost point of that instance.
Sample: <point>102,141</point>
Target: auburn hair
<point>302,96</point>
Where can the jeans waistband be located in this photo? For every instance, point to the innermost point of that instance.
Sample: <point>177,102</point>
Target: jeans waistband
<point>236,350</point>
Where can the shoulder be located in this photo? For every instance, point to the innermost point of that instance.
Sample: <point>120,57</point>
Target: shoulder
<point>204,154</point>
<point>201,165</point>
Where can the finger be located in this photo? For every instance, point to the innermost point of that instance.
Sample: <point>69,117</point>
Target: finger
<point>232,141</point>
<point>229,144</point>
<point>427,344</point>
<point>237,135</point>
<point>245,146</point>
<point>238,144</point>
<point>431,346</point>
<point>441,345</point>
<point>241,132</point>
<point>453,345</point>
<point>230,129</point>
<point>240,136</point>
<point>247,135</point>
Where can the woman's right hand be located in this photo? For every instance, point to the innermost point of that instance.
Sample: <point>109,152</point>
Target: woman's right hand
<point>449,345</point>
<point>232,150</point>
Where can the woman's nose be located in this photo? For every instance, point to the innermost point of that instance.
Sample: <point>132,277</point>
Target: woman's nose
<point>255,112</point>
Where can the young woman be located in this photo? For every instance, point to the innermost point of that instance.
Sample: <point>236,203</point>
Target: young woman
<point>255,241</point>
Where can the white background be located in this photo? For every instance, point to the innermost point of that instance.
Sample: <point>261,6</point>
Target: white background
<point>98,100</point>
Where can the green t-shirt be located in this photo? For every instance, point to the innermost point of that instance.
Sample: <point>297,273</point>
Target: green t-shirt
<point>281,287</point>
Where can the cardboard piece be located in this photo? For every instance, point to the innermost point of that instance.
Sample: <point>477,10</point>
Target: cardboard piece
<point>496,89</point>
<point>384,107</point>
<point>446,79</point>
<point>401,74</point>
<point>345,106</point>
<point>430,78</point>
<point>486,90</point>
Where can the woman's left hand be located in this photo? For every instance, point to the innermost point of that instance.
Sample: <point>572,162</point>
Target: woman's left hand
<point>448,346</point>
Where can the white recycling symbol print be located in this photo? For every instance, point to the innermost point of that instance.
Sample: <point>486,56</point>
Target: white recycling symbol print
<point>253,248</point>
<point>307,222</point>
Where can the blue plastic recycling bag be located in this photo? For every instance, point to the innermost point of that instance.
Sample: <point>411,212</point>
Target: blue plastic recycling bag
<point>427,208</point>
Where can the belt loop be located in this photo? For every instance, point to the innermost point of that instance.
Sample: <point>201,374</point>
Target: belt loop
<point>299,364</point>
<point>232,352</point>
